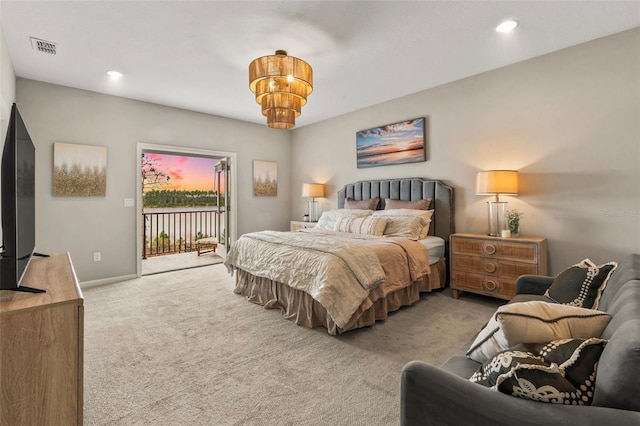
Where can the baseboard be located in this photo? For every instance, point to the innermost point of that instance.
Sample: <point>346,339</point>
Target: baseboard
<point>94,283</point>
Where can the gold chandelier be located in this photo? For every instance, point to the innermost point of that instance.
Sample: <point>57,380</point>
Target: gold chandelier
<point>281,84</point>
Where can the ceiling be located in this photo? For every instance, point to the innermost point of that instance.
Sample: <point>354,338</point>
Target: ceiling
<point>195,54</point>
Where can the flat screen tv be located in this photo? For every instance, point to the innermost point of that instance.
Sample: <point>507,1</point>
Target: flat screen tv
<point>17,174</point>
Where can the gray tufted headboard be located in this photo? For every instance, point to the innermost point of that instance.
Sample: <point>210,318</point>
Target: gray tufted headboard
<point>409,189</point>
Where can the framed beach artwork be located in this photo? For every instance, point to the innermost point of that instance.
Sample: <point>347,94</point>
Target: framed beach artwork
<point>79,170</point>
<point>396,143</point>
<point>265,178</point>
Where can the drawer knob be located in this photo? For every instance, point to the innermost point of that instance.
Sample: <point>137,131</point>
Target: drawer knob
<point>490,285</point>
<point>489,248</point>
<point>490,267</point>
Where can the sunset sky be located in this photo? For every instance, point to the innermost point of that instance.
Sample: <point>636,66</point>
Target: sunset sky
<point>402,136</point>
<point>187,173</point>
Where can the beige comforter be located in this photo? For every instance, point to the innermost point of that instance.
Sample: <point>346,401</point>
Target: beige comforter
<point>337,269</point>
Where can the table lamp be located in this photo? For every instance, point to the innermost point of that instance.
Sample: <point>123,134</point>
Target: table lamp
<point>313,190</point>
<point>496,182</point>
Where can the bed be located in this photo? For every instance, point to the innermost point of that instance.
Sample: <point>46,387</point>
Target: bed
<point>284,281</point>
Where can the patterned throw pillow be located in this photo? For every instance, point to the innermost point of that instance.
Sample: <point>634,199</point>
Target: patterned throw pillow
<point>501,363</point>
<point>579,360</point>
<point>560,372</point>
<point>539,383</point>
<point>581,285</point>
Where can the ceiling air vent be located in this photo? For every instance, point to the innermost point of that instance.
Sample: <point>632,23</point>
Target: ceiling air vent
<point>44,46</point>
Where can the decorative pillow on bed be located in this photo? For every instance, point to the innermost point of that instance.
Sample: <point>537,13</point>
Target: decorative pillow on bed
<point>410,227</point>
<point>407,223</point>
<point>329,219</point>
<point>561,371</point>
<point>535,322</point>
<point>371,204</point>
<point>581,284</point>
<point>398,204</point>
<point>362,225</point>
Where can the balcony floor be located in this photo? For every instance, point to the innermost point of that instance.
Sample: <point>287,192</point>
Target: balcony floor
<point>174,262</point>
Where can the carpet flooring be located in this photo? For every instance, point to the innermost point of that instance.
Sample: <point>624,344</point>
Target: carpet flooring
<point>181,348</point>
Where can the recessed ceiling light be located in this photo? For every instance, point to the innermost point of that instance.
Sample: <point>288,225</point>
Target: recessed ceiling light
<point>506,26</point>
<point>114,74</point>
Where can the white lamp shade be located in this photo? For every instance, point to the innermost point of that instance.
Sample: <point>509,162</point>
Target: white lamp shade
<point>312,190</point>
<point>493,182</point>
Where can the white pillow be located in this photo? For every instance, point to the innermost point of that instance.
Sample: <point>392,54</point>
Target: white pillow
<point>362,225</point>
<point>408,223</point>
<point>535,322</point>
<point>329,218</point>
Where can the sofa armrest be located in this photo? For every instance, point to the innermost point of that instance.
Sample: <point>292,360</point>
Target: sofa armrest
<point>431,396</point>
<point>533,284</point>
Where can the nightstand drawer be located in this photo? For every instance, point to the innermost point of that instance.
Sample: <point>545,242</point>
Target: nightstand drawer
<point>496,267</point>
<point>475,264</point>
<point>522,252</point>
<point>515,269</point>
<point>296,225</point>
<point>483,284</point>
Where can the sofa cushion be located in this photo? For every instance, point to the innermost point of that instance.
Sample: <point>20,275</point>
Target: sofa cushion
<point>628,270</point>
<point>535,322</point>
<point>581,284</point>
<point>617,385</point>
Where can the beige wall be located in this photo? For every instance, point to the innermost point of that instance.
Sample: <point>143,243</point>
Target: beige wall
<point>568,121</point>
<point>7,86</point>
<point>7,90</point>
<point>83,225</point>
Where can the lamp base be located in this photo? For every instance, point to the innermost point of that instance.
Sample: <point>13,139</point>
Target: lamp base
<point>497,217</point>
<point>313,211</point>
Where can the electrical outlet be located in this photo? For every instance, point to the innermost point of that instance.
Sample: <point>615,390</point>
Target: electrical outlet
<point>97,257</point>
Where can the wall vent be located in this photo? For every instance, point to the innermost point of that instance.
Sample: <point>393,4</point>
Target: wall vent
<point>44,46</point>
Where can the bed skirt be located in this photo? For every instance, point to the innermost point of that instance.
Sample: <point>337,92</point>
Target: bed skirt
<point>298,306</point>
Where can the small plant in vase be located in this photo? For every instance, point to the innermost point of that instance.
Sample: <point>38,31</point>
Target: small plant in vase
<point>513,221</point>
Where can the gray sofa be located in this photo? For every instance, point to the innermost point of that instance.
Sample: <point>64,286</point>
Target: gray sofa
<point>443,395</point>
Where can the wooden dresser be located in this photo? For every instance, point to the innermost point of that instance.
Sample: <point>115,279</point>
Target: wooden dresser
<point>41,347</point>
<point>490,265</point>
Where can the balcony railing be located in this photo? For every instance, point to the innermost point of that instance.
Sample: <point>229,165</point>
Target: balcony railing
<point>171,231</point>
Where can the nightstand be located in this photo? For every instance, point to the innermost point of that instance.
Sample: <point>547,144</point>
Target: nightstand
<point>298,224</point>
<point>490,265</point>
